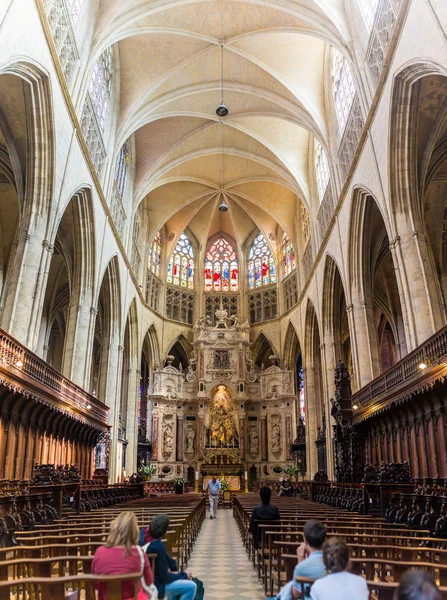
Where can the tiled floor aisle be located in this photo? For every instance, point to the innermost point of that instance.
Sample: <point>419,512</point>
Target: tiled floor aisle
<point>220,561</point>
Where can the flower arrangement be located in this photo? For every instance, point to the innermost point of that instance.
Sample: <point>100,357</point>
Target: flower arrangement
<point>146,471</point>
<point>290,470</point>
<point>179,482</point>
<point>224,484</point>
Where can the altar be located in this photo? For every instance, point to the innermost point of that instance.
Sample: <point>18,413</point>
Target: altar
<point>221,412</point>
<point>235,481</point>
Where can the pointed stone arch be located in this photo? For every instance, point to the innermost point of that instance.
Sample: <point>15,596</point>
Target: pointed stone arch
<point>181,349</point>
<point>32,251</point>
<point>262,348</point>
<point>412,143</point>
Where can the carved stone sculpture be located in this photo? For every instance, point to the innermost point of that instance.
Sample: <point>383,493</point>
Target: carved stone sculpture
<point>276,438</point>
<point>253,441</point>
<point>190,437</point>
<point>168,439</point>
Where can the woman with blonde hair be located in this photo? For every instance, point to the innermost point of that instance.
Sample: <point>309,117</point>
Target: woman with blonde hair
<point>121,555</point>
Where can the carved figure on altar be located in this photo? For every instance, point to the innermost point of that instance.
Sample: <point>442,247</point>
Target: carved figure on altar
<point>168,438</point>
<point>253,441</point>
<point>276,438</point>
<point>190,437</point>
<point>203,323</point>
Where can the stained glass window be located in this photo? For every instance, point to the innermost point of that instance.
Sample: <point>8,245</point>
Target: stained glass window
<point>155,255</point>
<point>181,265</point>
<point>288,255</point>
<point>101,87</point>
<point>305,224</point>
<point>343,89</point>
<point>321,169</point>
<point>369,8</point>
<point>121,169</point>
<point>261,266</point>
<point>74,8</point>
<point>221,269</point>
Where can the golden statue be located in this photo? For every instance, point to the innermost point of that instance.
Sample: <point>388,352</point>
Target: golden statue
<point>222,429</point>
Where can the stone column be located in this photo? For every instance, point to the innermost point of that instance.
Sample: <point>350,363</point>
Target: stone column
<point>418,285</point>
<point>311,421</point>
<point>264,436</point>
<point>289,440</point>
<point>328,364</point>
<point>112,399</point>
<point>241,414</point>
<point>155,434</point>
<point>26,285</point>
<point>179,448</point>
<point>79,341</point>
<point>132,418</point>
<point>365,342</point>
<point>201,441</point>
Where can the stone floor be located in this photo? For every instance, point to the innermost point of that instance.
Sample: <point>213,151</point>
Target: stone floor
<point>220,561</point>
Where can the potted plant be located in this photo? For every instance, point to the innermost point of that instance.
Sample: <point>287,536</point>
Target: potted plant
<point>179,484</point>
<point>146,471</point>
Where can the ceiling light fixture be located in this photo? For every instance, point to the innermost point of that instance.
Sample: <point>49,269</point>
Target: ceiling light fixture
<point>355,406</point>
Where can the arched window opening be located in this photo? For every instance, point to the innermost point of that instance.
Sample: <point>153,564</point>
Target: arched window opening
<point>74,8</point>
<point>261,266</point>
<point>181,265</point>
<point>369,8</point>
<point>221,268</point>
<point>121,169</point>
<point>322,172</point>
<point>101,87</point>
<point>288,255</point>
<point>343,89</point>
<point>305,224</point>
<point>155,255</point>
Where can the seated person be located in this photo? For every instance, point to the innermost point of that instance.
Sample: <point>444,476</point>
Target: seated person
<point>168,582</point>
<point>417,585</point>
<point>121,555</point>
<point>286,488</point>
<point>264,512</point>
<point>310,560</point>
<point>339,584</point>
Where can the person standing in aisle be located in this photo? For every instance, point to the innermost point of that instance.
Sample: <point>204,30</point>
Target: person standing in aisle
<point>213,490</point>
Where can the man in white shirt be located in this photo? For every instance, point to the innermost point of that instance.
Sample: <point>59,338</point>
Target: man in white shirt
<point>213,489</point>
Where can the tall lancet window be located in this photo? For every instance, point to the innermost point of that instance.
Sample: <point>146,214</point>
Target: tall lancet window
<point>121,169</point>
<point>322,172</point>
<point>221,269</point>
<point>369,8</point>
<point>343,89</point>
<point>288,255</point>
<point>261,266</point>
<point>181,265</point>
<point>155,255</point>
<point>101,87</point>
<point>74,8</point>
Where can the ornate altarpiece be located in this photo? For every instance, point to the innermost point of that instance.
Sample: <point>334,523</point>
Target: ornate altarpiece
<point>222,414</point>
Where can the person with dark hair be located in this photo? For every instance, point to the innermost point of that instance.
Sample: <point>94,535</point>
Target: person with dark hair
<point>417,585</point>
<point>339,584</point>
<point>263,512</point>
<point>168,582</point>
<point>310,560</point>
<point>310,555</point>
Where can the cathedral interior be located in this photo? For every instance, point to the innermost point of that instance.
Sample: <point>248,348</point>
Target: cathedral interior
<point>223,238</point>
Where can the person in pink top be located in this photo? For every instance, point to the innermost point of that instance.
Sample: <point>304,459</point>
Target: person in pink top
<point>121,555</point>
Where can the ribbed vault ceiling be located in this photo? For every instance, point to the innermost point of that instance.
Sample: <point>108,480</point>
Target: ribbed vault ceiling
<point>275,69</point>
